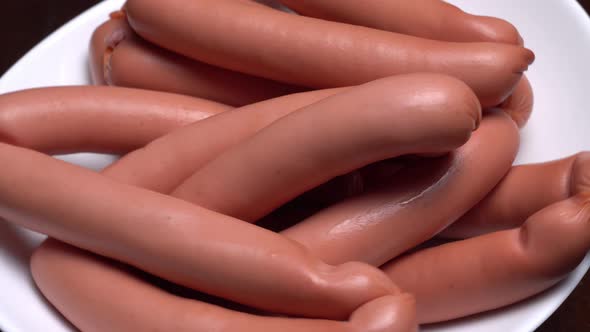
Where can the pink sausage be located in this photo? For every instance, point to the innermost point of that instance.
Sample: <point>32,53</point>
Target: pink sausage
<point>95,119</point>
<point>496,269</point>
<point>179,241</point>
<point>525,190</point>
<point>251,38</point>
<point>119,57</point>
<point>184,151</point>
<point>417,113</point>
<point>415,203</point>
<point>432,19</point>
<point>109,297</point>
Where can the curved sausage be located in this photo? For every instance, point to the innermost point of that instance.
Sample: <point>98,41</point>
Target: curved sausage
<point>525,190</point>
<point>95,119</point>
<point>417,113</point>
<point>182,152</point>
<point>497,269</point>
<point>413,204</point>
<point>96,294</point>
<point>257,40</point>
<point>519,107</point>
<point>133,118</point>
<point>179,159</point>
<point>179,241</point>
<point>119,57</point>
<point>432,19</point>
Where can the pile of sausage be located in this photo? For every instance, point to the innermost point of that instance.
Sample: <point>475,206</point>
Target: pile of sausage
<point>345,168</point>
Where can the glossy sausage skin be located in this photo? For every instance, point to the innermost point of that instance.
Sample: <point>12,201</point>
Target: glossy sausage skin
<point>95,119</point>
<point>433,19</point>
<point>416,113</point>
<point>501,268</point>
<point>97,294</point>
<point>413,204</point>
<point>184,151</point>
<point>119,57</point>
<point>519,107</point>
<point>251,38</point>
<point>118,120</point>
<point>179,241</point>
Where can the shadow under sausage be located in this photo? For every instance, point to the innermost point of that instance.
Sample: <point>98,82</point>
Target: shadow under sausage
<point>407,174</point>
<point>16,245</point>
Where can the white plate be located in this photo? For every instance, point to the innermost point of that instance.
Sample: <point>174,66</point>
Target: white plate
<point>558,31</point>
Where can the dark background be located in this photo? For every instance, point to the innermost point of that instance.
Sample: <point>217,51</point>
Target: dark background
<point>24,23</point>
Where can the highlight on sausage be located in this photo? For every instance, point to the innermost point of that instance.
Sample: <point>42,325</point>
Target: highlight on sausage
<point>114,298</point>
<point>95,119</point>
<point>254,39</point>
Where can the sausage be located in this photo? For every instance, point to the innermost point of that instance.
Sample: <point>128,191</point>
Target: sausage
<point>415,203</point>
<point>257,40</point>
<point>432,19</point>
<point>519,106</point>
<point>119,57</point>
<point>180,159</point>
<point>179,241</point>
<point>113,298</point>
<point>497,269</point>
<point>95,119</point>
<point>525,190</point>
<point>501,132</point>
<point>184,151</point>
<point>520,103</point>
<point>416,113</point>
<point>86,121</point>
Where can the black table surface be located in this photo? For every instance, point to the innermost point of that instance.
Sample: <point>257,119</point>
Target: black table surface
<point>24,23</point>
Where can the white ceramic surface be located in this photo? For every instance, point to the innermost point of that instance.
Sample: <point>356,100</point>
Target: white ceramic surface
<point>558,31</point>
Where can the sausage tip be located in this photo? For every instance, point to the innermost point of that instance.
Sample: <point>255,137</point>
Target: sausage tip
<point>530,55</point>
<point>117,15</point>
<point>111,41</point>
